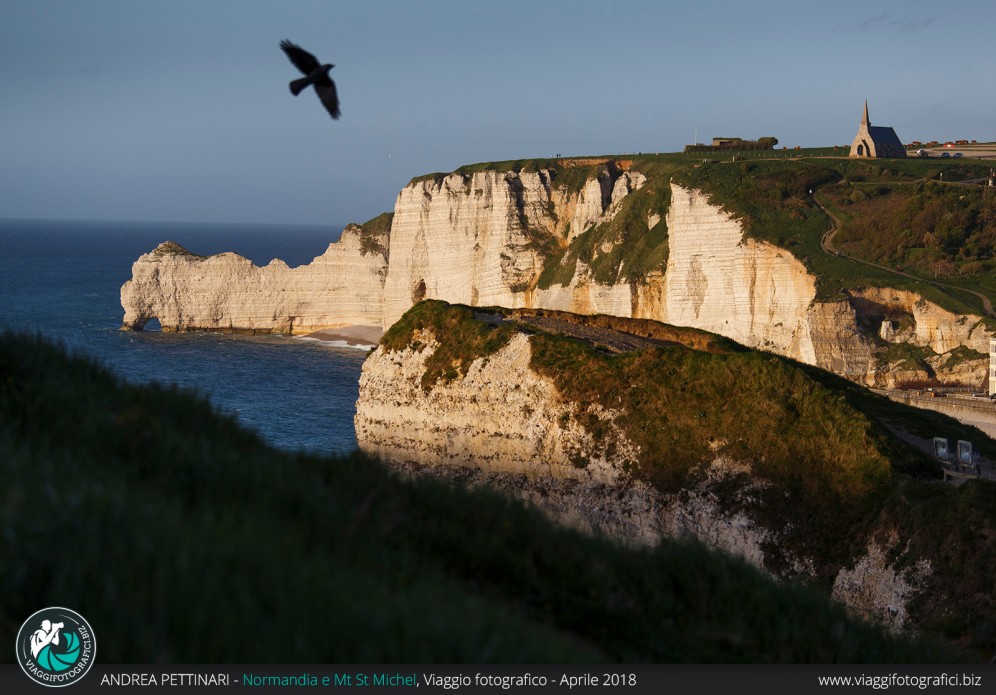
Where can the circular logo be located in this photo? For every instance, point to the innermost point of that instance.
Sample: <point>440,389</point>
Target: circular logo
<point>56,647</point>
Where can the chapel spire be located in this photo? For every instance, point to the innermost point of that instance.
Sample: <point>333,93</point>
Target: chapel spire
<point>875,141</point>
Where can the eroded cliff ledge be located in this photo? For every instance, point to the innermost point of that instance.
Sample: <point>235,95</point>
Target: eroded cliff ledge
<point>791,468</point>
<point>601,237</point>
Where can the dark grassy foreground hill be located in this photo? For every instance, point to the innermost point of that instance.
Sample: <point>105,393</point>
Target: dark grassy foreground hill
<point>835,472</point>
<point>184,538</point>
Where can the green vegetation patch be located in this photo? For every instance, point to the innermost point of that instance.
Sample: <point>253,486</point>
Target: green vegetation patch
<point>961,355</point>
<point>567,174</point>
<point>171,248</point>
<point>910,169</point>
<point>627,247</point>
<point>906,356</point>
<point>766,196</point>
<point>375,234</point>
<point>938,230</point>
<point>461,338</point>
<point>916,357</point>
<point>622,248</point>
<point>828,462</point>
<point>231,551</point>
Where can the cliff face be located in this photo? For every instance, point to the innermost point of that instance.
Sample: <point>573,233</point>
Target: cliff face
<point>505,422</point>
<point>186,292</point>
<point>906,317</point>
<point>503,425</point>
<point>467,240</point>
<point>750,291</point>
<point>484,239</point>
<point>500,418</point>
<point>477,239</point>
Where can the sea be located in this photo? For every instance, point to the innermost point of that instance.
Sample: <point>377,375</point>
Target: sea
<point>63,278</point>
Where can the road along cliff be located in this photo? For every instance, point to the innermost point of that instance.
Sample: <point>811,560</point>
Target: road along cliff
<point>598,236</point>
<point>686,434</point>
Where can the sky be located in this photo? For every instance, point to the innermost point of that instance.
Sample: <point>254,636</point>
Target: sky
<point>180,110</point>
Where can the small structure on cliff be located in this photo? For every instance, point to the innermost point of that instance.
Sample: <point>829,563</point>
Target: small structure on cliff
<point>876,142</point>
<point>720,144</point>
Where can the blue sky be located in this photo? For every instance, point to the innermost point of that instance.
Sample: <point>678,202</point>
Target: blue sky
<point>179,110</point>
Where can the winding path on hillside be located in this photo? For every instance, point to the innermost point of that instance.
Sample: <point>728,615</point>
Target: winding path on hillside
<point>835,226</point>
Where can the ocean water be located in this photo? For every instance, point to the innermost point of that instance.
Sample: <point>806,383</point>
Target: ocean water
<point>63,279</point>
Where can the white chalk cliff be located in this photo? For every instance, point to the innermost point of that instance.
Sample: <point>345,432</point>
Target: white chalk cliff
<point>718,280</point>
<point>343,286</point>
<point>499,417</point>
<point>507,427</point>
<point>479,239</point>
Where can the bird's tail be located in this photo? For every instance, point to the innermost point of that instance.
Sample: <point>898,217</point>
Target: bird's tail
<point>297,86</point>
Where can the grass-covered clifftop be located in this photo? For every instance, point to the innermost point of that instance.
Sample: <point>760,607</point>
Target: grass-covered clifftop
<point>183,538</point>
<point>374,234</point>
<point>776,201</point>
<point>834,473</point>
<point>933,228</point>
<point>931,218</point>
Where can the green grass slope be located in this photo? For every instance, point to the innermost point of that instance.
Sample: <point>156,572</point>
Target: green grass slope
<point>772,199</point>
<point>184,538</point>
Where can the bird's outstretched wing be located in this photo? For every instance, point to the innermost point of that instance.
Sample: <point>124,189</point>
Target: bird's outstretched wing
<point>303,61</point>
<point>326,92</point>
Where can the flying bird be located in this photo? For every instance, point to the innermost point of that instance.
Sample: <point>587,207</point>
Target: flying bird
<point>315,73</point>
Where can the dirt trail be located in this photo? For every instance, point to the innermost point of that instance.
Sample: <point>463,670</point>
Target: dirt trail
<point>602,337</point>
<point>835,226</point>
<point>605,338</point>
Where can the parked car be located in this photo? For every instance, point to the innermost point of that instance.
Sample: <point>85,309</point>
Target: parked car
<point>945,154</point>
<point>958,154</point>
<point>922,153</point>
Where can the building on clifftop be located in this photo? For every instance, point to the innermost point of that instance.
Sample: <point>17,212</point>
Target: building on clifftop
<point>876,142</point>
